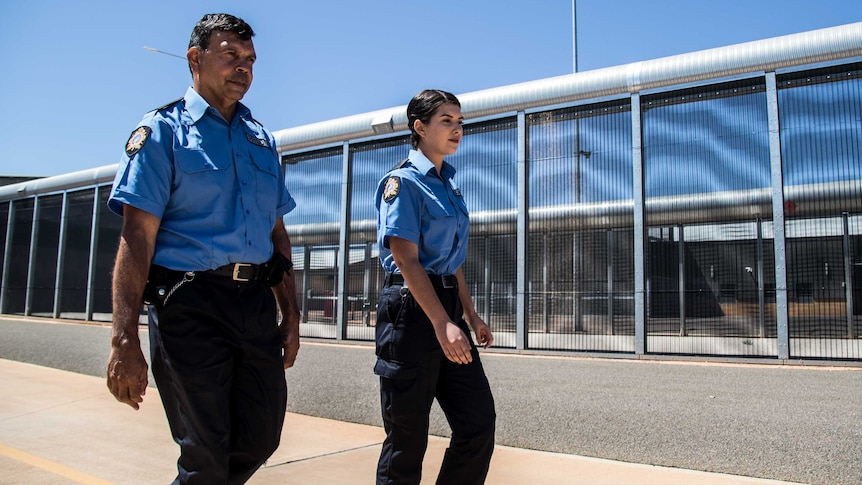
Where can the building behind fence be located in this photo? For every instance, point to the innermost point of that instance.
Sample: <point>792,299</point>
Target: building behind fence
<point>706,204</point>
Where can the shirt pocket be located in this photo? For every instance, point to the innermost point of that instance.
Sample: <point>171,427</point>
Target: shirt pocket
<point>199,188</point>
<point>266,179</point>
<point>461,205</point>
<point>264,159</point>
<point>198,161</point>
<point>438,210</point>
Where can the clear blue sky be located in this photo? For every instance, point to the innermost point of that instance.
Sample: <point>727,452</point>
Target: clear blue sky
<point>76,78</point>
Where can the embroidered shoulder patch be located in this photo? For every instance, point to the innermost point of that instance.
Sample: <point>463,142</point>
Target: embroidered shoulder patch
<point>391,189</point>
<point>137,140</point>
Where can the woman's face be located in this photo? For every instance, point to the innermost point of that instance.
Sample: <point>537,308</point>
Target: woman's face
<point>442,134</point>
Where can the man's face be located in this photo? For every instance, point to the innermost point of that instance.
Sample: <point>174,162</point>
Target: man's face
<point>223,71</point>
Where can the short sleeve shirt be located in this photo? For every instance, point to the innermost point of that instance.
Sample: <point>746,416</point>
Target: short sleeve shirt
<point>217,186</point>
<point>416,203</point>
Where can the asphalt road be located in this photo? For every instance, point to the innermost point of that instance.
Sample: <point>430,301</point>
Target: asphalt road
<point>793,423</point>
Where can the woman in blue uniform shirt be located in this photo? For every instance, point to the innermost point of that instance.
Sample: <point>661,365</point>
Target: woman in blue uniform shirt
<point>425,313</point>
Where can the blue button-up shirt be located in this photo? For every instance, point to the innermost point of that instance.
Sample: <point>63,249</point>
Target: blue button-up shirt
<point>416,203</point>
<point>217,186</point>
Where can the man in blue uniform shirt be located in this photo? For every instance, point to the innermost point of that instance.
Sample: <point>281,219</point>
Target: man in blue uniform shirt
<point>202,197</point>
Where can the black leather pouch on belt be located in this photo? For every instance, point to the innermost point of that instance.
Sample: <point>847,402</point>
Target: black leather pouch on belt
<point>275,269</point>
<point>159,281</point>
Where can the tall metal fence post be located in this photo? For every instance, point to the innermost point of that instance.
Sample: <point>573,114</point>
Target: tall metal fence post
<point>486,277</point>
<point>306,281</point>
<point>781,305</point>
<point>7,253</point>
<point>639,227</point>
<point>344,245</point>
<point>680,249</point>
<point>761,288</point>
<point>94,249</point>
<point>611,303</point>
<point>848,275</point>
<point>522,340</point>
<point>31,260</point>
<point>61,252</point>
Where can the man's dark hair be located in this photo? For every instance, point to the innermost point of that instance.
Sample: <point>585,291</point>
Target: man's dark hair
<point>218,21</point>
<point>423,106</point>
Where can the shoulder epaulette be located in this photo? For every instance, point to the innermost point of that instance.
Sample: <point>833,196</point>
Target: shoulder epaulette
<point>168,105</point>
<point>399,164</point>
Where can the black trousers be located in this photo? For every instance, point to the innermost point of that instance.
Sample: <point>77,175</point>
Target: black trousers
<point>216,358</point>
<point>413,372</point>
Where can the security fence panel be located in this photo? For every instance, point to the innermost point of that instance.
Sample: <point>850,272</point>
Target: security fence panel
<point>371,162</point>
<point>726,302</point>
<point>106,242</point>
<point>44,261</point>
<point>581,263</point>
<point>487,177</point>
<point>707,197</point>
<point>821,148</point>
<point>314,181</point>
<point>817,279</point>
<point>491,281</point>
<point>76,254</point>
<point>17,262</point>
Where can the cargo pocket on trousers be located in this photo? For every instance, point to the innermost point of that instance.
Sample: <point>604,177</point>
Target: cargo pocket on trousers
<point>395,370</point>
<point>400,398</point>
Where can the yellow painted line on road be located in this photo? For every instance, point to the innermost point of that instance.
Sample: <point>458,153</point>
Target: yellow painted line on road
<point>51,467</point>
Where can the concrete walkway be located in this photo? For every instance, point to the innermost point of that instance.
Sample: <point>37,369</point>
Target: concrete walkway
<point>59,427</point>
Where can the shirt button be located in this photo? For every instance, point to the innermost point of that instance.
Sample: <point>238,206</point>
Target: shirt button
<point>247,211</point>
<point>249,243</point>
<point>245,182</point>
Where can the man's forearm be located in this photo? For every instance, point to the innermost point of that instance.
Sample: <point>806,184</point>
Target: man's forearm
<point>131,270</point>
<point>285,291</point>
<point>130,276</point>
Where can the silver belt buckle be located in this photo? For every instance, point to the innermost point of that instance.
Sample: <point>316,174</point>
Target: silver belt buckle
<point>236,268</point>
<point>445,281</point>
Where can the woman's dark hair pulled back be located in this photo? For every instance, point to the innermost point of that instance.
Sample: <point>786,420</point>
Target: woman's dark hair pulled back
<point>423,106</point>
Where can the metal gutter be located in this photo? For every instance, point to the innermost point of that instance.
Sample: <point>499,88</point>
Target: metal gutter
<point>81,179</point>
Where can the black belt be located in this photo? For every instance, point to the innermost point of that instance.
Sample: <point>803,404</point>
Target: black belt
<point>239,271</point>
<point>438,280</point>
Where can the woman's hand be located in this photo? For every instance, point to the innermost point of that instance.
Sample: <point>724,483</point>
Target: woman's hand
<point>453,341</point>
<point>484,337</point>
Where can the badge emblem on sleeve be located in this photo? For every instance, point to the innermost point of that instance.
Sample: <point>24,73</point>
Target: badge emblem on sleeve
<point>137,140</point>
<point>391,189</point>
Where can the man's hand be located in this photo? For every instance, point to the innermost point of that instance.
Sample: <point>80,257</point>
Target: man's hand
<point>127,372</point>
<point>289,328</point>
<point>453,341</point>
<point>285,295</point>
